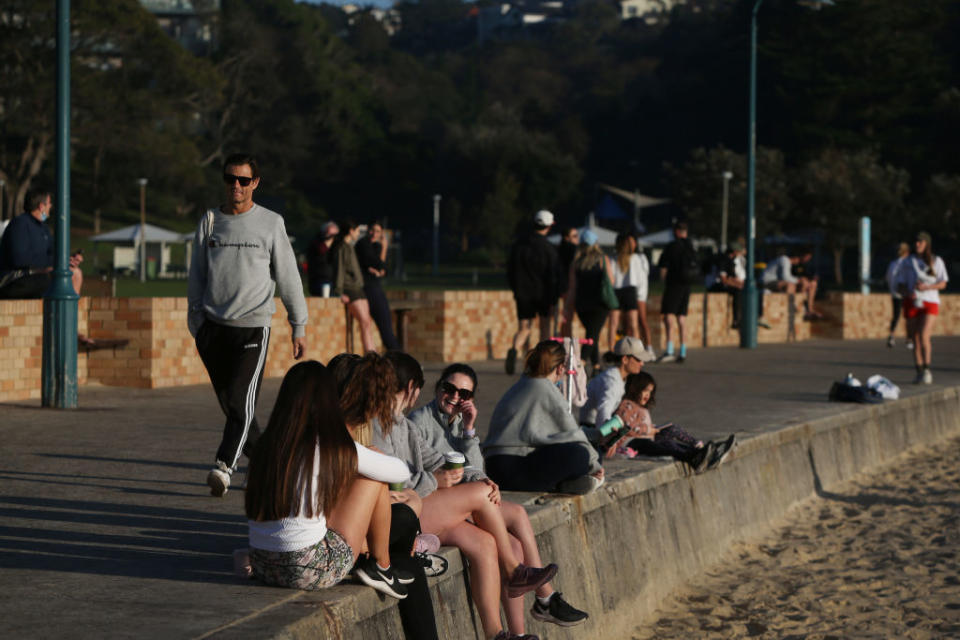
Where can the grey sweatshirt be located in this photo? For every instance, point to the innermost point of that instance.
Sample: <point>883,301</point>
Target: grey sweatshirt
<point>404,442</point>
<point>532,414</point>
<point>236,267</point>
<point>438,432</point>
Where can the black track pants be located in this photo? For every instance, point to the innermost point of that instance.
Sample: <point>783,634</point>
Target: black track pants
<point>235,358</point>
<point>416,611</point>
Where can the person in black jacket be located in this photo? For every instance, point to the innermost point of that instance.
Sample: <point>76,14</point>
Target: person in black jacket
<point>372,254</point>
<point>533,272</point>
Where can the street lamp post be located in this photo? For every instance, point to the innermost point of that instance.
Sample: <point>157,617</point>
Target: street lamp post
<point>727,175</point>
<point>748,323</point>
<point>436,234</point>
<point>59,352</point>
<point>3,186</point>
<point>143,228</point>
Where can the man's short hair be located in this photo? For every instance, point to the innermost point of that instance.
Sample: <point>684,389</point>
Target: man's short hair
<point>239,159</point>
<point>36,197</point>
<point>680,226</point>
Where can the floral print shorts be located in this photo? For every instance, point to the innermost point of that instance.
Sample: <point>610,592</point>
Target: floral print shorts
<point>317,567</point>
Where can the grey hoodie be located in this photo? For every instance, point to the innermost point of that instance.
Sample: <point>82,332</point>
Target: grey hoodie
<point>442,435</point>
<point>532,414</point>
<point>236,266</point>
<point>404,442</point>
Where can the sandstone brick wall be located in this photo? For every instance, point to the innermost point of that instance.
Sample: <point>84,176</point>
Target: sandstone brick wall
<point>445,326</point>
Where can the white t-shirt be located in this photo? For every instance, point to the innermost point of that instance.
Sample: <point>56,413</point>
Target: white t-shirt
<point>779,270</point>
<point>637,275</point>
<point>298,531</point>
<point>893,274</point>
<point>915,270</point>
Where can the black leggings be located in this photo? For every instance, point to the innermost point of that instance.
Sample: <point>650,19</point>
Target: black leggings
<point>897,306</point>
<point>669,441</point>
<point>541,470</point>
<point>592,319</point>
<point>416,610</point>
<point>380,312</point>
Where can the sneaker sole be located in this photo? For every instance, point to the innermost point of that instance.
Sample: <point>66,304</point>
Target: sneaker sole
<point>560,623</point>
<point>217,487</point>
<point>379,585</point>
<point>547,577</point>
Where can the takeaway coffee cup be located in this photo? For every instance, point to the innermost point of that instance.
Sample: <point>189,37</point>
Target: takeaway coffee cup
<point>397,486</point>
<point>454,460</point>
<point>325,290</point>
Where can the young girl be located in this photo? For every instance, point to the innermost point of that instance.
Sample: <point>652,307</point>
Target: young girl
<point>314,496</point>
<point>921,279</point>
<point>667,440</point>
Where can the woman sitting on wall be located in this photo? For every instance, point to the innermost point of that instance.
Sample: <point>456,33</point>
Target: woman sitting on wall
<point>534,444</point>
<point>461,508</point>
<point>448,423</point>
<point>315,497</point>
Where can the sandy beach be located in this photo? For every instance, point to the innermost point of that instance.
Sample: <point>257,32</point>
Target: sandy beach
<point>877,558</point>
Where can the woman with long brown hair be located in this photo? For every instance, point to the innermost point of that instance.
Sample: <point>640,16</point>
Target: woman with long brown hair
<point>920,280</point>
<point>589,268</point>
<point>630,273</point>
<point>348,281</point>
<point>314,496</point>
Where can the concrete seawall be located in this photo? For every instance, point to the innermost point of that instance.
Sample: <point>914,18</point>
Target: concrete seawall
<point>650,529</point>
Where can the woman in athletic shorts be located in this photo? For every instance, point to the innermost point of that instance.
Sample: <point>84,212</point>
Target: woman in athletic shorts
<point>920,280</point>
<point>348,281</point>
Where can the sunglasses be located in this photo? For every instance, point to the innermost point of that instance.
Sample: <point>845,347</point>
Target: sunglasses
<point>229,178</point>
<point>449,389</point>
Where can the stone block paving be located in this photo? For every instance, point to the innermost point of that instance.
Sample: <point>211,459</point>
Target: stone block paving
<point>107,529</point>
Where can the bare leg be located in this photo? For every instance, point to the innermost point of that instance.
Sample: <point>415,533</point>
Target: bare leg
<point>518,524</point>
<point>926,331</point>
<point>644,326</point>
<point>667,326</point>
<point>362,514</point>
<point>481,551</point>
<point>682,329</point>
<point>613,323</point>
<point>513,607</point>
<point>360,309</point>
<point>914,332</point>
<point>446,508</point>
<point>633,325</point>
<point>545,332</point>
<point>522,334</point>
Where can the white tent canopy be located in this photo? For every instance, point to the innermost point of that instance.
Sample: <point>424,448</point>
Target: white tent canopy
<point>638,200</point>
<point>126,256</point>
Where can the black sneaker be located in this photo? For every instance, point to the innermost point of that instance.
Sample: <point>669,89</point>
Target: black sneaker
<point>558,611</point>
<point>384,581</point>
<point>681,359</point>
<point>721,452</point>
<point>511,364</point>
<point>701,458</point>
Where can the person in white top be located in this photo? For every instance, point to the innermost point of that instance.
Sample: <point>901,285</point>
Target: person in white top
<point>893,272</point>
<point>631,275</point>
<point>920,280</point>
<point>314,497</point>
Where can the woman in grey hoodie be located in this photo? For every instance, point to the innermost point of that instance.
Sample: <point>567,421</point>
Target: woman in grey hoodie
<point>533,443</point>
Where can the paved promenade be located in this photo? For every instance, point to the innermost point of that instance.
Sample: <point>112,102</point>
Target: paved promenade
<point>107,528</point>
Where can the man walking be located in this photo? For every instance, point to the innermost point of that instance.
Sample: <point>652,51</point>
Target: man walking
<point>678,269</point>
<point>533,270</point>
<point>241,254</point>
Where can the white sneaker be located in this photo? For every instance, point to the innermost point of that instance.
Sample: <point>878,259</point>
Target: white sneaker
<point>909,344</point>
<point>667,357</point>
<point>653,354</point>
<point>927,376</point>
<point>219,480</point>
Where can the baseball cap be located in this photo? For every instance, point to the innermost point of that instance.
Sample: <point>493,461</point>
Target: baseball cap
<point>630,346</point>
<point>543,218</point>
<point>588,238</point>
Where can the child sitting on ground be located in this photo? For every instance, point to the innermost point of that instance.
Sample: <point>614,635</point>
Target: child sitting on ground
<point>646,439</point>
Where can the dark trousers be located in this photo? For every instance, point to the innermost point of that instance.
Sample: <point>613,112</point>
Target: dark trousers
<point>380,312</point>
<point>895,318</point>
<point>669,441</point>
<point>235,358</point>
<point>592,319</point>
<point>416,610</point>
<point>541,470</point>
<point>736,300</point>
<point>29,287</point>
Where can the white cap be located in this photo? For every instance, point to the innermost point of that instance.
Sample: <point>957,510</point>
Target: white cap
<point>630,346</point>
<point>543,218</point>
